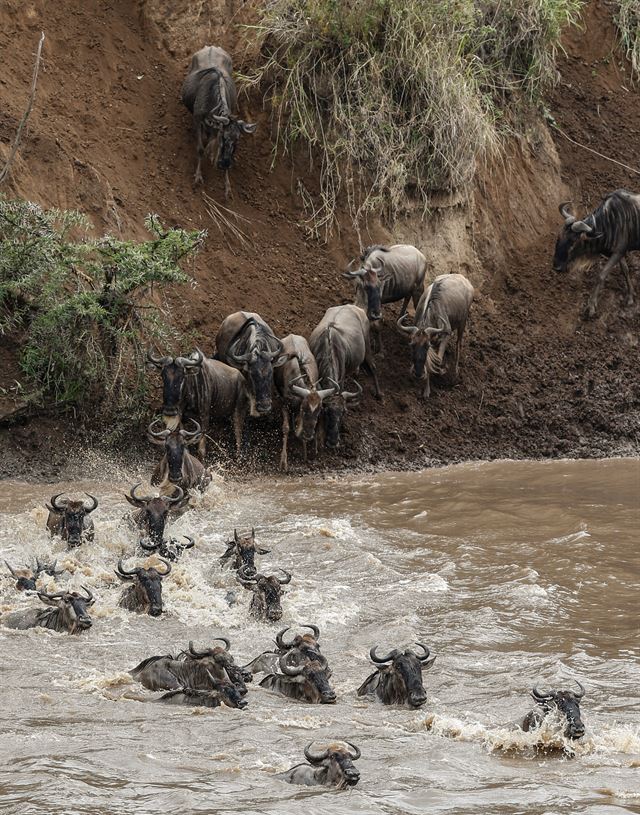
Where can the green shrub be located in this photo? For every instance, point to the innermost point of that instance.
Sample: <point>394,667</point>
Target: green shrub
<point>401,95</point>
<point>86,307</point>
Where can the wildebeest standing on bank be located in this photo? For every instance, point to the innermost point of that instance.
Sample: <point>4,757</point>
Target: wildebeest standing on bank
<point>340,344</point>
<point>201,389</point>
<point>388,274</point>
<point>566,703</point>
<point>145,593</point>
<point>331,768</point>
<point>296,382</point>
<point>443,309</point>
<point>209,93</point>
<point>69,613</point>
<point>612,230</point>
<point>70,519</point>
<point>178,466</point>
<point>398,677</point>
<point>245,341</point>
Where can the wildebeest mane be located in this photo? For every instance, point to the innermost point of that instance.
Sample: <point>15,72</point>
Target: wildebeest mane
<point>209,97</point>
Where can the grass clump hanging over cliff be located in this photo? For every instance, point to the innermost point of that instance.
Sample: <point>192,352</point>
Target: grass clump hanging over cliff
<point>628,21</point>
<point>85,308</point>
<point>397,96</point>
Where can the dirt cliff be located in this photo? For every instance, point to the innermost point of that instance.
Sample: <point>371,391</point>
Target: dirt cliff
<point>109,136</point>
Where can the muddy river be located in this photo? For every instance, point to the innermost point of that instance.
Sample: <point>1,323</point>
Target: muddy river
<point>513,573</point>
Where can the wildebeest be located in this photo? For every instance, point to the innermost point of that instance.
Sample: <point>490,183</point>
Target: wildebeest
<point>209,93</point>
<point>341,344</point>
<point>302,647</point>
<point>398,678</point>
<point>241,552</point>
<point>220,663</point>
<point>69,613</point>
<point>153,512</point>
<point>220,693</point>
<point>612,230</point>
<point>331,768</point>
<point>388,274</point>
<point>70,519</point>
<point>201,389</point>
<point>27,576</point>
<point>296,383</point>
<point>177,466</point>
<point>170,549</point>
<point>443,309</point>
<point>565,702</point>
<point>267,591</point>
<point>145,593</point>
<point>246,342</point>
<point>307,681</point>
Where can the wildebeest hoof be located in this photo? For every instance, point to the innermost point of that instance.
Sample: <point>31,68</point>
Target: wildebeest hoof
<point>198,179</point>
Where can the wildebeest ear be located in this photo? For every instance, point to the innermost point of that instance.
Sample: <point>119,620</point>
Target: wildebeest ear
<point>131,501</point>
<point>246,127</point>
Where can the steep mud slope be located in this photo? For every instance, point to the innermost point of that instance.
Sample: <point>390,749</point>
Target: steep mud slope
<point>108,135</point>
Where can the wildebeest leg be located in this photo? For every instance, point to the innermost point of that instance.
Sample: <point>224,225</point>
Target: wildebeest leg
<point>417,294</point>
<point>376,329</point>
<point>405,303</point>
<point>604,274</point>
<point>627,276</point>
<point>426,391</point>
<point>371,369</point>
<point>227,186</point>
<point>284,464</point>
<point>459,346</point>
<point>201,151</point>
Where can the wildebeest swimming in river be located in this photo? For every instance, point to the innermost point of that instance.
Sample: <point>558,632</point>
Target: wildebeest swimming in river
<point>170,549</point>
<point>145,593</point>
<point>241,552</point>
<point>612,230</point>
<point>26,577</point>
<point>307,681</point>
<point>209,93</point>
<point>178,466</point>
<point>443,309</point>
<point>267,591</point>
<point>331,768</point>
<point>398,678</point>
<point>566,703</point>
<point>219,693</point>
<point>69,613</point>
<point>70,519</point>
<point>300,648</point>
<point>153,511</point>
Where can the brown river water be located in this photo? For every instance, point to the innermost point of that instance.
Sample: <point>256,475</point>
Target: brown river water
<point>514,573</point>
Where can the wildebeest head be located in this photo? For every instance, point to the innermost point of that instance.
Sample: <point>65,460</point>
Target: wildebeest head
<point>258,363</point>
<point>423,342</point>
<point>223,661</point>
<point>307,644</point>
<point>72,515</point>
<point>313,674</point>
<point>148,583</point>
<point>230,129</point>
<point>175,443</point>
<point>169,549</point>
<point>243,550</point>
<point>568,704</point>
<point>174,372</point>
<point>339,763</point>
<point>406,668</point>
<point>575,240</point>
<point>155,510</point>
<point>26,577</point>
<point>72,607</point>
<point>311,401</point>
<point>371,277</point>
<point>334,409</point>
<point>267,591</point>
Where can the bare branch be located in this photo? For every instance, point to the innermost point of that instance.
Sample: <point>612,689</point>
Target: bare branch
<point>23,121</point>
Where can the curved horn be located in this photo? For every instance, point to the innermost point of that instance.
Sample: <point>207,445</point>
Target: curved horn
<point>57,507</point>
<point>137,498</point>
<point>314,758</point>
<point>325,393</point>
<point>159,362</point>
<point>188,545</point>
<point>580,226</point>
<point>280,642</point>
<point>157,434</point>
<point>568,217</point>
<point>303,393</point>
<point>314,628</point>
<point>286,580</point>
<point>195,360</point>
<point>426,652</point>
<point>289,670</point>
<point>356,751</point>
<point>89,595</point>
<point>167,564</point>
<point>227,644</point>
<point>582,690</point>
<point>17,575</point>
<point>247,577</point>
<point>271,355</point>
<point>381,660</point>
<point>189,434</point>
<point>407,329</point>
<point>94,503</point>
<point>48,598</point>
<point>198,654</point>
<point>173,499</point>
<point>352,275</point>
<point>148,547</point>
<point>353,394</point>
<point>123,573</point>
<point>539,696</point>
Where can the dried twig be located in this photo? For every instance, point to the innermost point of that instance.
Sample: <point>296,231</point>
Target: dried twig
<point>23,121</point>
<point>223,221</point>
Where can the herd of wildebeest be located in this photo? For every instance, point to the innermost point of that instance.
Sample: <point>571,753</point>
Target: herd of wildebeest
<point>311,379</point>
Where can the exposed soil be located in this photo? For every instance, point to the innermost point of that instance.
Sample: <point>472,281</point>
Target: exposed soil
<point>109,136</point>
